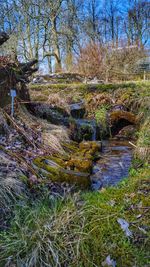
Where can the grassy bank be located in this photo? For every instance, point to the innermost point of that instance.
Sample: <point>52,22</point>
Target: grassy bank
<point>82,230</point>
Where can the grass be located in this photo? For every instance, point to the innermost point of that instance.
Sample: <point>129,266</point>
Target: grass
<point>81,86</point>
<point>11,186</point>
<point>142,150</point>
<point>82,230</point>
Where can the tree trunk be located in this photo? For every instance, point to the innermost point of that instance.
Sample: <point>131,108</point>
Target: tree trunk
<point>56,50</point>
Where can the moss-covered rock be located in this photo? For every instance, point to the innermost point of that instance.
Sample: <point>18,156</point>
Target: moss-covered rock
<point>80,164</point>
<point>74,169</point>
<point>53,114</point>
<point>82,160</point>
<point>127,132</point>
<point>77,110</point>
<point>120,114</point>
<point>82,130</point>
<point>91,147</point>
<point>56,173</point>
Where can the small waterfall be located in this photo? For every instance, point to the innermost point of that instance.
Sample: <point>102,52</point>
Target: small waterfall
<point>94,131</point>
<point>88,125</point>
<point>84,129</point>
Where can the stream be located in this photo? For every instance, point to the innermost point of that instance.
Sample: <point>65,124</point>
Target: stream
<point>116,156</point>
<point>113,165</point>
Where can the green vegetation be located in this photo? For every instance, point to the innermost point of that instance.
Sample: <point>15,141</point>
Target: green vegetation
<point>82,230</point>
<point>100,115</point>
<point>142,150</point>
<point>81,86</point>
<point>144,134</point>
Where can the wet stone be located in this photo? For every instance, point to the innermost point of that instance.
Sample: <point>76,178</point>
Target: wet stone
<point>77,110</point>
<point>83,130</point>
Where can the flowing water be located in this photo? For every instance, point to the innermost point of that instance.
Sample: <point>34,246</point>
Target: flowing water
<point>113,165</point>
<point>91,124</point>
<point>116,156</point>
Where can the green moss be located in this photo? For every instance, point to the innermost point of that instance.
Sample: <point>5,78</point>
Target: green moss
<point>58,173</point>
<point>80,164</point>
<point>70,147</point>
<point>119,114</point>
<point>39,162</point>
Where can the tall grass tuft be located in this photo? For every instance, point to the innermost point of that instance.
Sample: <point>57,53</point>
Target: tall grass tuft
<point>10,185</point>
<point>43,235</point>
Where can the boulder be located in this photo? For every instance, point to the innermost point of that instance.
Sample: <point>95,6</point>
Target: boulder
<point>83,130</point>
<point>74,169</point>
<point>52,114</point>
<point>77,110</point>
<point>120,114</point>
<point>119,119</point>
<point>127,132</point>
<point>91,147</point>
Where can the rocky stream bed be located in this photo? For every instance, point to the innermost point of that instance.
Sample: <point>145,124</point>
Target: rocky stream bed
<point>97,157</point>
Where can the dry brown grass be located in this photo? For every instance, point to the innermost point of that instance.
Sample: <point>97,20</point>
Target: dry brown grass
<point>52,135</point>
<point>10,184</point>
